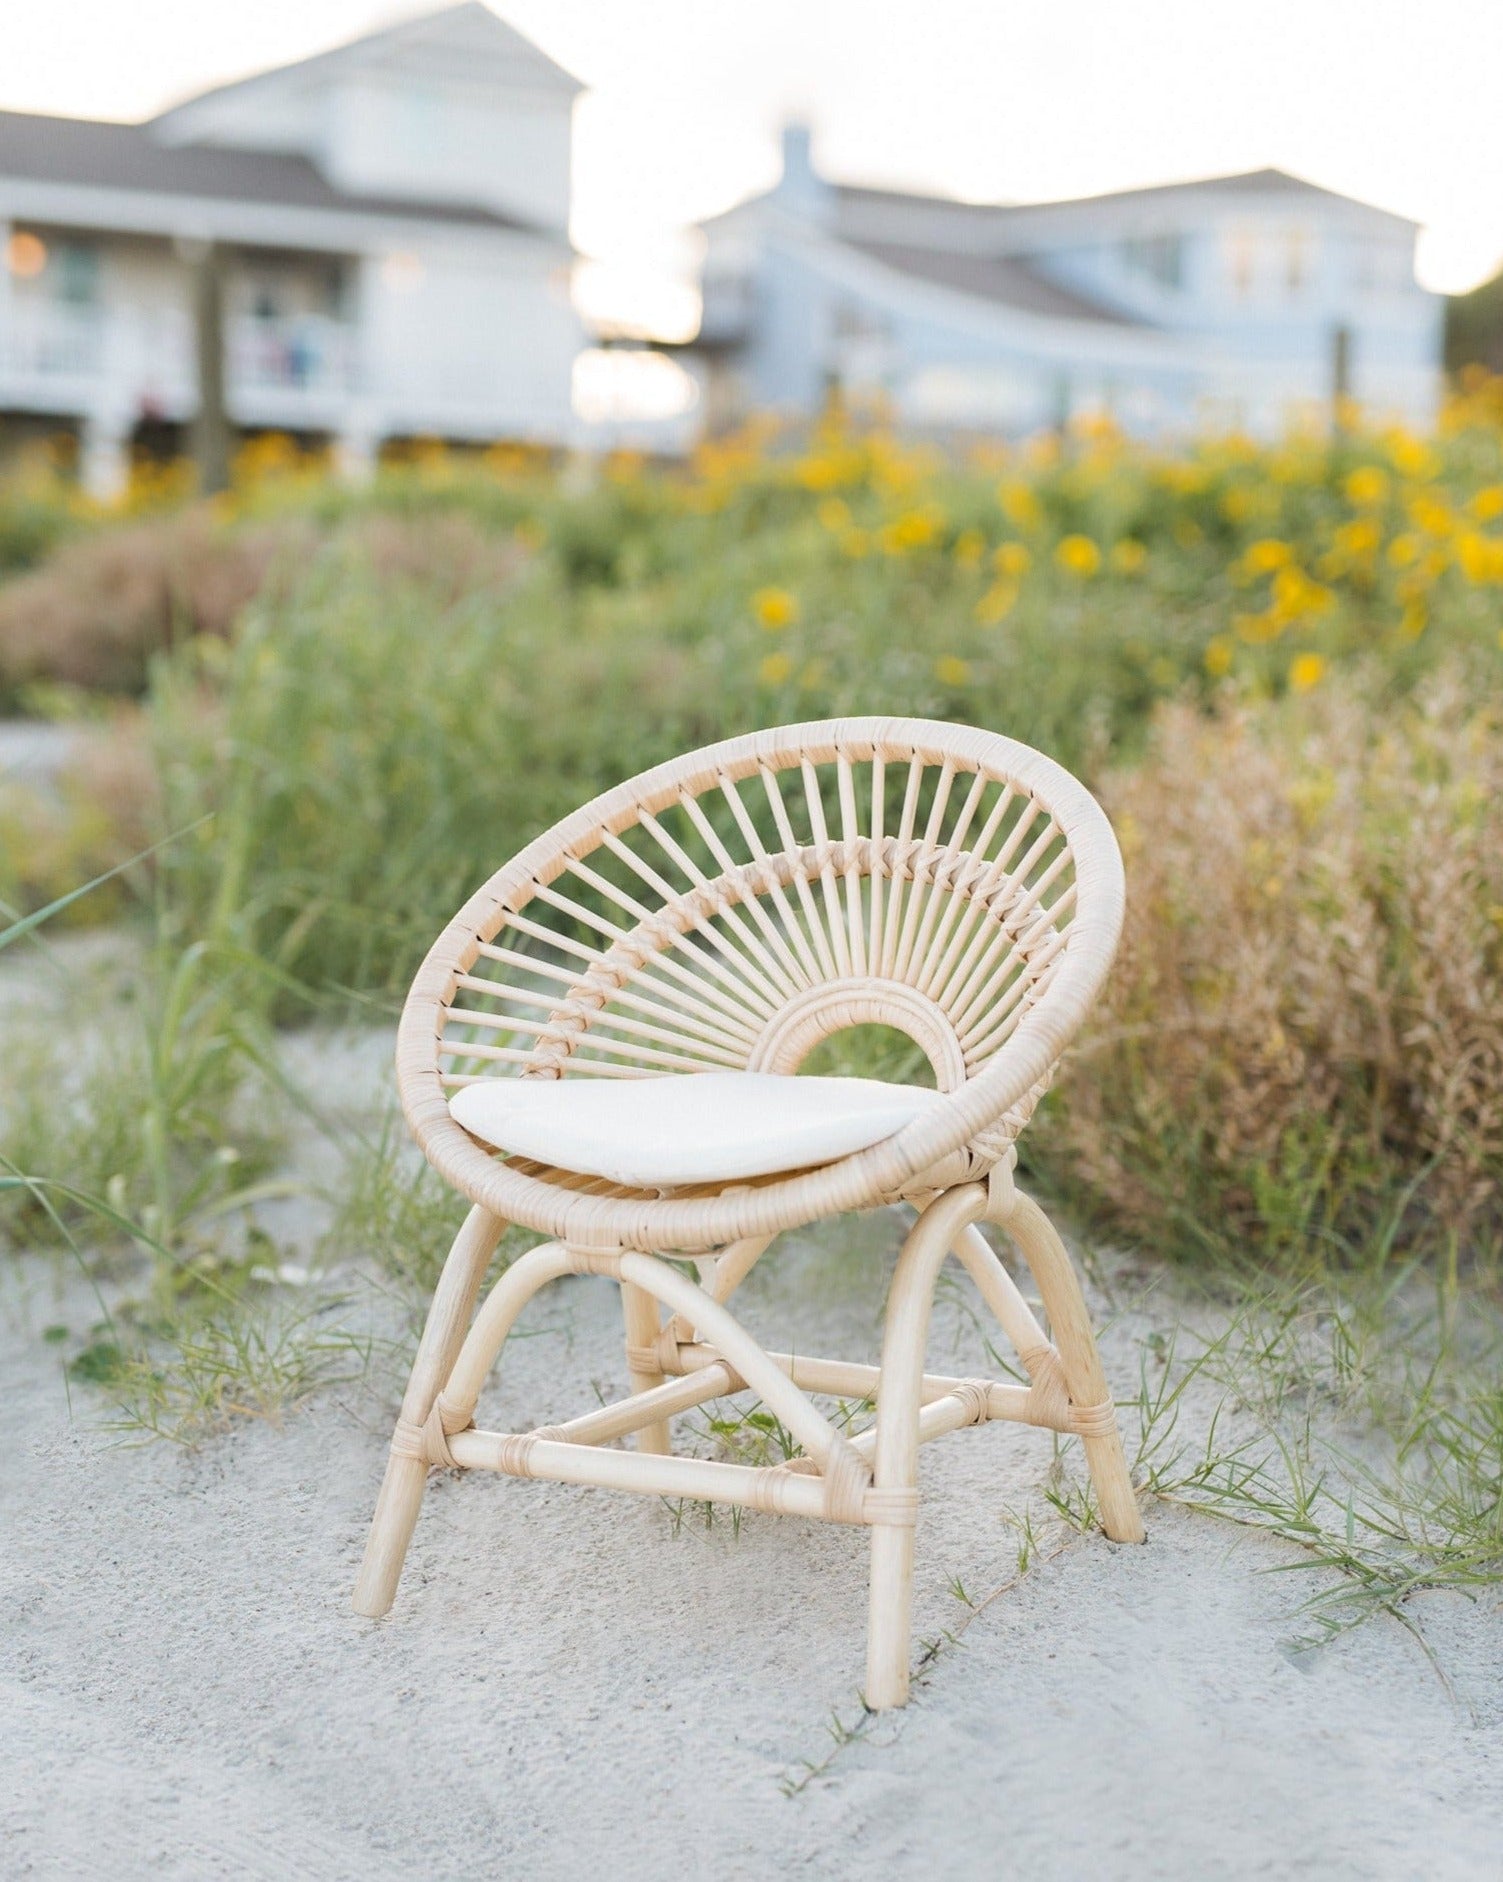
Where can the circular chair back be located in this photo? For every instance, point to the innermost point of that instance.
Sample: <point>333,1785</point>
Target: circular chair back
<point>730,910</point>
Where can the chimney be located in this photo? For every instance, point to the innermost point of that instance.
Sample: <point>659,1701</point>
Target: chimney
<point>801,188</point>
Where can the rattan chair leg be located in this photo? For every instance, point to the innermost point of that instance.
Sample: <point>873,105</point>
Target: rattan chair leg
<point>402,1487</point>
<point>895,1465</point>
<point>643,1325</point>
<point>1070,1325</point>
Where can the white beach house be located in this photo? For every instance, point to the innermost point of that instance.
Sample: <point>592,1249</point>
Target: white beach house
<point>1232,300</point>
<point>394,215</point>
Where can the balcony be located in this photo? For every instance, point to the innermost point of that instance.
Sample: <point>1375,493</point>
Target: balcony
<point>58,357</point>
<point>51,341</point>
<point>301,353</point>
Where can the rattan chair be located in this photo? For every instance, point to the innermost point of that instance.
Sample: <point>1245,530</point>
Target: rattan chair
<point>715,919</point>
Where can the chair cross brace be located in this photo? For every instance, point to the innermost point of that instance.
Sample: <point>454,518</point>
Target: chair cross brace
<point>702,1353</point>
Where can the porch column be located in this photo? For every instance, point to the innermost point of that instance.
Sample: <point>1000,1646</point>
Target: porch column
<point>357,442</point>
<point>104,455</point>
<point>361,426</point>
<point>6,349</point>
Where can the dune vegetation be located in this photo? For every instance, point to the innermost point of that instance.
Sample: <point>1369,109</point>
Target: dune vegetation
<point>329,711</point>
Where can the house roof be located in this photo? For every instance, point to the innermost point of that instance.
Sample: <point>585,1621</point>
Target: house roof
<point>1265,182</point>
<point>461,41</point>
<point>999,279</point>
<point>986,250</point>
<point>87,152</point>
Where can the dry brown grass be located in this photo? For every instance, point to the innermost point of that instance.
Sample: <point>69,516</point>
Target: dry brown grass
<point>104,604</point>
<point>446,554</point>
<point>95,614</point>
<point>1307,1013</point>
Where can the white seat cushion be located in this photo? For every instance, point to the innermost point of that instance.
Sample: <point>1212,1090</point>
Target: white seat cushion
<point>701,1127</point>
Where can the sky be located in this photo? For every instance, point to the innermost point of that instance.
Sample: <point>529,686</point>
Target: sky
<point>1388,100</point>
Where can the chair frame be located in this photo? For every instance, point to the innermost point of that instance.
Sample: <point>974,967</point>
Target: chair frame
<point>986,941</point>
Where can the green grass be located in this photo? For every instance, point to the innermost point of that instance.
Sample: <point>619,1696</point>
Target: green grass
<point>194,1376</point>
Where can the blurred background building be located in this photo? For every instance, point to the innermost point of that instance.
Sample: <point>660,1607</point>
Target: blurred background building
<point>1234,300</point>
<point>378,237</point>
<point>390,226</point>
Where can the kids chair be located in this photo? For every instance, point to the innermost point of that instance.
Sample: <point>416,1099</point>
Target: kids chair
<point>602,1046</point>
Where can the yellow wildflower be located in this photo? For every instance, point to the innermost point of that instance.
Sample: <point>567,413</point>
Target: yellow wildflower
<point>1078,555</point>
<point>834,514</point>
<point>1411,457</point>
<point>950,670</point>
<point>1185,480</point>
<point>914,530</point>
<point>775,669</point>
<point>1296,594</point>
<point>1403,550</point>
<point>775,608</point>
<point>1487,505</point>
<point>997,603</point>
<point>1218,656</point>
<point>1481,557</point>
<point>1367,487</point>
<point>625,467</point>
<point>1128,556</point>
<point>1258,628</point>
<point>970,545</point>
<point>1431,514</point>
<point>818,473</point>
<point>1306,670</point>
<point>1012,559</point>
<point>1264,556</point>
<point>1359,539</point>
<point>1019,505</point>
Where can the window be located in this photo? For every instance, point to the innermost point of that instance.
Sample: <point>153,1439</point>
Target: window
<point>1156,258</point>
<point>77,274</point>
<point>1382,267</point>
<point>1296,260</point>
<point>1242,262</point>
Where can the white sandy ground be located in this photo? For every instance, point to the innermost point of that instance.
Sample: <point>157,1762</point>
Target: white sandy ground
<point>571,1686</point>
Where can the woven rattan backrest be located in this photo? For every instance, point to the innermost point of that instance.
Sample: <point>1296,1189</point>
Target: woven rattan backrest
<point>735,907</point>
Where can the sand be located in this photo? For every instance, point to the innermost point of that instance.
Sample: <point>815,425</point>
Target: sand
<point>573,1685</point>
